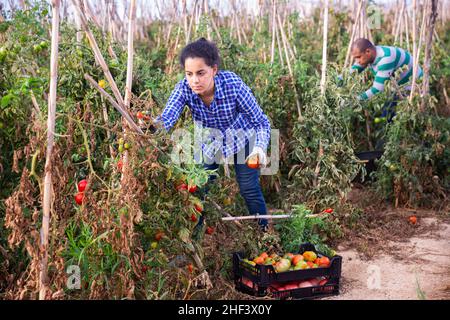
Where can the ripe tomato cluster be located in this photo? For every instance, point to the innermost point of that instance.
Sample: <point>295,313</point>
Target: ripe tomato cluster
<point>81,186</point>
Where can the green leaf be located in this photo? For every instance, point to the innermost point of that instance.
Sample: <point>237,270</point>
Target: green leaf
<point>6,100</point>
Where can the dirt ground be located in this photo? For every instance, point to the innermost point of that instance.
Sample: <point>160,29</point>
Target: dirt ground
<point>418,268</point>
<point>386,257</point>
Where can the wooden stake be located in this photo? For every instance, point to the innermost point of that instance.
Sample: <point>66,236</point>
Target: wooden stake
<point>118,107</point>
<point>98,54</point>
<point>324,49</point>
<point>48,186</point>
<point>414,71</point>
<point>428,46</point>
<point>352,38</point>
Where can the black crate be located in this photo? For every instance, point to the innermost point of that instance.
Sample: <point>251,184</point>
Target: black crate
<point>262,277</point>
<point>331,288</point>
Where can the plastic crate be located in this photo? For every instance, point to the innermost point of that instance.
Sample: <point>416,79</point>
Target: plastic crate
<point>259,280</point>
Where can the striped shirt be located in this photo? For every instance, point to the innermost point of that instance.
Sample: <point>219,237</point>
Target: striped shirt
<point>387,61</point>
<point>234,115</point>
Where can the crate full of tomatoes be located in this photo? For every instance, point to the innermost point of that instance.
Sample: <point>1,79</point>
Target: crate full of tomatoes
<point>306,274</point>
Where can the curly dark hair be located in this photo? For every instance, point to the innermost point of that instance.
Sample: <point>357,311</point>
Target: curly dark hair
<point>201,48</point>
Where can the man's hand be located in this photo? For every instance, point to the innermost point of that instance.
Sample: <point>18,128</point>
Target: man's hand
<point>262,157</point>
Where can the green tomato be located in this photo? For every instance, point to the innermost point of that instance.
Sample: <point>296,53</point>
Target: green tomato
<point>44,44</point>
<point>377,120</point>
<point>120,148</point>
<point>392,167</point>
<point>127,145</point>
<point>3,53</point>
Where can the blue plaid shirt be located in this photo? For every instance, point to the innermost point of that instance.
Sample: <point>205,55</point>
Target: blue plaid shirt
<point>234,113</point>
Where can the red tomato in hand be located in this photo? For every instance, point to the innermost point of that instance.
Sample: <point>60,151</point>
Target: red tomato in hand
<point>82,185</point>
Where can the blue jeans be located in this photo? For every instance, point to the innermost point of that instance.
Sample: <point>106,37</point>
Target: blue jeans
<point>249,187</point>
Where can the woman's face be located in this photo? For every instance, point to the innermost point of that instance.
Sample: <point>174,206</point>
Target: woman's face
<point>200,76</point>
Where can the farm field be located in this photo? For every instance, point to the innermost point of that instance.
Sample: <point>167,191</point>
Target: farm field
<point>96,204</point>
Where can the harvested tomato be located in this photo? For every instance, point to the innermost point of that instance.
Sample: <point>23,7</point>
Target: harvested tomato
<point>324,262</point>
<point>253,162</point>
<point>264,255</point>
<point>210,230</point>
<point>82,185</point>
<point>79,198</point>
<point>193,218</point>
<point>159,236</point>
<point>258,260</point>
<point>413,219</point>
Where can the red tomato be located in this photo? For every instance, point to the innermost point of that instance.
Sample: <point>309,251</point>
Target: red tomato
<point>193,218</point>
<point>159,236</point>
<point>198,207</point>
<point>210,230</point>
<point>182,186</point>
<point>329,210</point>
<point>413,219</point>
<point>253,163</point>
<point>119,165</point>
<point>79,198</point>
<point>190,267</point>
<point>140,115</point>
<point>82,185</point>
<point>192,189</point>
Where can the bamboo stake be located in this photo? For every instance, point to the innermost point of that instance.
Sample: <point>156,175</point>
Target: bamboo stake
<point>268,216</point>
<point>272,50</point>
<point>324,49</point>
<point>414,71</point>
<point>48,189</point>
<point>98,54</point>
<point>398,24</point>
<point>407,31</point>
<point>428,46</point>
<point>352,38</point>
<point>118,107</point>
<point>279,44</point>
<point>129,80</point>
<point>286,53</point>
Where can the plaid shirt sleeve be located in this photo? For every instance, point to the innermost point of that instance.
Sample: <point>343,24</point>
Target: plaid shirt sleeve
<point>174,107</point>
<point>249,107</point>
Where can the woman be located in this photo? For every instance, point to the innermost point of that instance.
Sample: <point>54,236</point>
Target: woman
<point>220,100</point>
